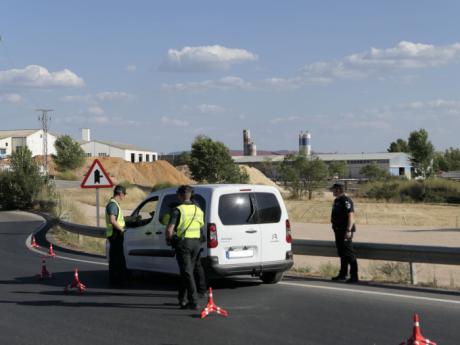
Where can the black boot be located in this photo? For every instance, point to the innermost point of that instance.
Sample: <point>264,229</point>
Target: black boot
<point>353,272</point>
<point>343,270</point>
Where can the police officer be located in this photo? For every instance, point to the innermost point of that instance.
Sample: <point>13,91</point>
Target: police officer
<point>183,232</point>
<point>115,224</point>
<point>342,219</point>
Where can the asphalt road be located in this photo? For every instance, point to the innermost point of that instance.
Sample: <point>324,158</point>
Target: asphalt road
<point>291,312</point>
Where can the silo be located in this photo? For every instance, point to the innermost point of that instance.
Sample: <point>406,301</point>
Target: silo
<point>246,141</point>
<point>305,143</point>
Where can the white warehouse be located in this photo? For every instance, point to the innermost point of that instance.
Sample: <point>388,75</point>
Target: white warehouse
<point>11,140</point>
<point>130,153</point>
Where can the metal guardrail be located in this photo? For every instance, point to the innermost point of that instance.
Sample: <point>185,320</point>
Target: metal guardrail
<point>86,230</point>
<point>380,251</point>
<point>371,251</point>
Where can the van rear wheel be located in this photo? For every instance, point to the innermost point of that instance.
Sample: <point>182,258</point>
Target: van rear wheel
<point>271,277</point>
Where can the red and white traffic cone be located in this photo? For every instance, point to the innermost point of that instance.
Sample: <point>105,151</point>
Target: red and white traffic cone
<point>76,283</point>
<point>212,307</point>
<point>417,337</point>
<point>44,273</point>
<point>51,251</point>
<point>33,243</point>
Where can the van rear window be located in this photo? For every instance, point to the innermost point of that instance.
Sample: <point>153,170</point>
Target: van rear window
<point>249,208</point>
<point>268,208</point>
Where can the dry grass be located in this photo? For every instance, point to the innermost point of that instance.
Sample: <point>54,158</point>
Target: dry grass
<point>77,242</point>
<point>88,196</point>
<point>378,213</point>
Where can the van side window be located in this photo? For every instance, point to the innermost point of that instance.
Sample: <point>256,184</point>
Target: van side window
<point>143,214</point>
<point>236,209</point>
<point>268,208</point>
<point>171,201</point>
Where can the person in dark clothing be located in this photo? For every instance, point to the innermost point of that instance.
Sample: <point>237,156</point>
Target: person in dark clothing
<point>184,233</point>
<point>342,219</point>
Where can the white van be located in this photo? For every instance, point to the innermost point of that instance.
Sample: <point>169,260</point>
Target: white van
<point>248,232</point>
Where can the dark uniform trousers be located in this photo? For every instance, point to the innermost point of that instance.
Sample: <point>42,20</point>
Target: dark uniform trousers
<point>188,258</point>
<point>117,271</point>
<point>346,253</point>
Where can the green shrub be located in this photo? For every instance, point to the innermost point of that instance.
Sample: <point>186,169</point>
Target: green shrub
<point>67,176</point>
<point>386,190</point>
<point>412,191</point>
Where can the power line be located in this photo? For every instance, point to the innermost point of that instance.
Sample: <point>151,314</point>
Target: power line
<point>44,119</point>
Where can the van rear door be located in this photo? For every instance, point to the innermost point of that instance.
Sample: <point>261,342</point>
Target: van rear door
<point>238,234</point>
<point>272,227</point>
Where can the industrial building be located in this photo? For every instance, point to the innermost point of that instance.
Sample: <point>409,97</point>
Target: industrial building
<point>11,140</point>
<point>130,153</point>
<point>396,163</point>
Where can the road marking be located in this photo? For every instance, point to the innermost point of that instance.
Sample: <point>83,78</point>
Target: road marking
<point>365,292</point>
<point>28,240</point>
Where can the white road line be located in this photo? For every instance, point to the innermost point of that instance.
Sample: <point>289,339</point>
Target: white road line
<point>365,292</point>
<point>28,241</point>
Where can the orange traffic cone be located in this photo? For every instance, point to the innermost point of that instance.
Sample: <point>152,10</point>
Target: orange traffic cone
<point>44,273</point>
<point>212,307</point>
<point>76,283</point>
<point>33,243</point>
<point>51,251</point>
<point>417,337</point>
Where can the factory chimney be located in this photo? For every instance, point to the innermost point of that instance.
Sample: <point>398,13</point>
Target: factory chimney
<point>249,148</point>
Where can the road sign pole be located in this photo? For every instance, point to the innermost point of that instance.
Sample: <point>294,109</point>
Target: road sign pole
<point>97,207</point>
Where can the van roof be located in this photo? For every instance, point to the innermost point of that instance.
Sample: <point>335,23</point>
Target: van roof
<point>256,187</point>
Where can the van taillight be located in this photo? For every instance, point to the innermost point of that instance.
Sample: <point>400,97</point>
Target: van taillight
<point>288,232</point>
<point>212,236</point>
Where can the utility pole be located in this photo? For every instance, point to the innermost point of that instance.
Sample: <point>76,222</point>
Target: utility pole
<point>44,119</point>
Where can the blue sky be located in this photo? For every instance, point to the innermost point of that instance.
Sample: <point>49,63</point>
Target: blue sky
<point>356,74</point>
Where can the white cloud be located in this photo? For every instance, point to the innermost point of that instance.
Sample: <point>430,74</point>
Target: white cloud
<point>130,68</point>
<point>405,56</point>
<point>99,97</point>
<point>95,110</point>
<point>173,121</point>
<point>38,76</point>
<point>204,58</point>
<point>225,83</point>
<point>113,95</point>
<point>11,98</point>
<point>210,108</point>
<point>85,120</point>
<point>278,120</point>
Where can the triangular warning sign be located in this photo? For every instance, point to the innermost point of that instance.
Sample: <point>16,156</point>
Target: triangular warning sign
<point>96,177</point>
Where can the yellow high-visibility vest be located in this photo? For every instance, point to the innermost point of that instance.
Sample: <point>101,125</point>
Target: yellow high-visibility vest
<point>191,221</point>
<point>120,220</point>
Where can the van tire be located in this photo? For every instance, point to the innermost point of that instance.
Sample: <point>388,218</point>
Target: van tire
<point>271,277</point>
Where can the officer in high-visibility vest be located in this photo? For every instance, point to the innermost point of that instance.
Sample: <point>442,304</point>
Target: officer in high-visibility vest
<point>115,224</point>
<point>183,232</point>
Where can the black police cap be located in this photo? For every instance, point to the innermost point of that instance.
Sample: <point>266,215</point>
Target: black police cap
<point>119,189</point>
<point>337,185</point>
<point>184,189</point>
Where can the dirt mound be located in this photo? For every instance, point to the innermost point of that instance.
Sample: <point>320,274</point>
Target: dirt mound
<point>144,174</point>
<point>257,177</point>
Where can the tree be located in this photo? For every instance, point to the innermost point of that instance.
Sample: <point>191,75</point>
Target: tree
<point>422,153</point>
<point>399,145</point>
<point>211,161</point>
<point>338,169</point>
<point>452,158</point>
<point>182,159</point>
<point>374,173</point>
<point>20,186</point>
<point>303,175</point>
<point>69,154</point>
